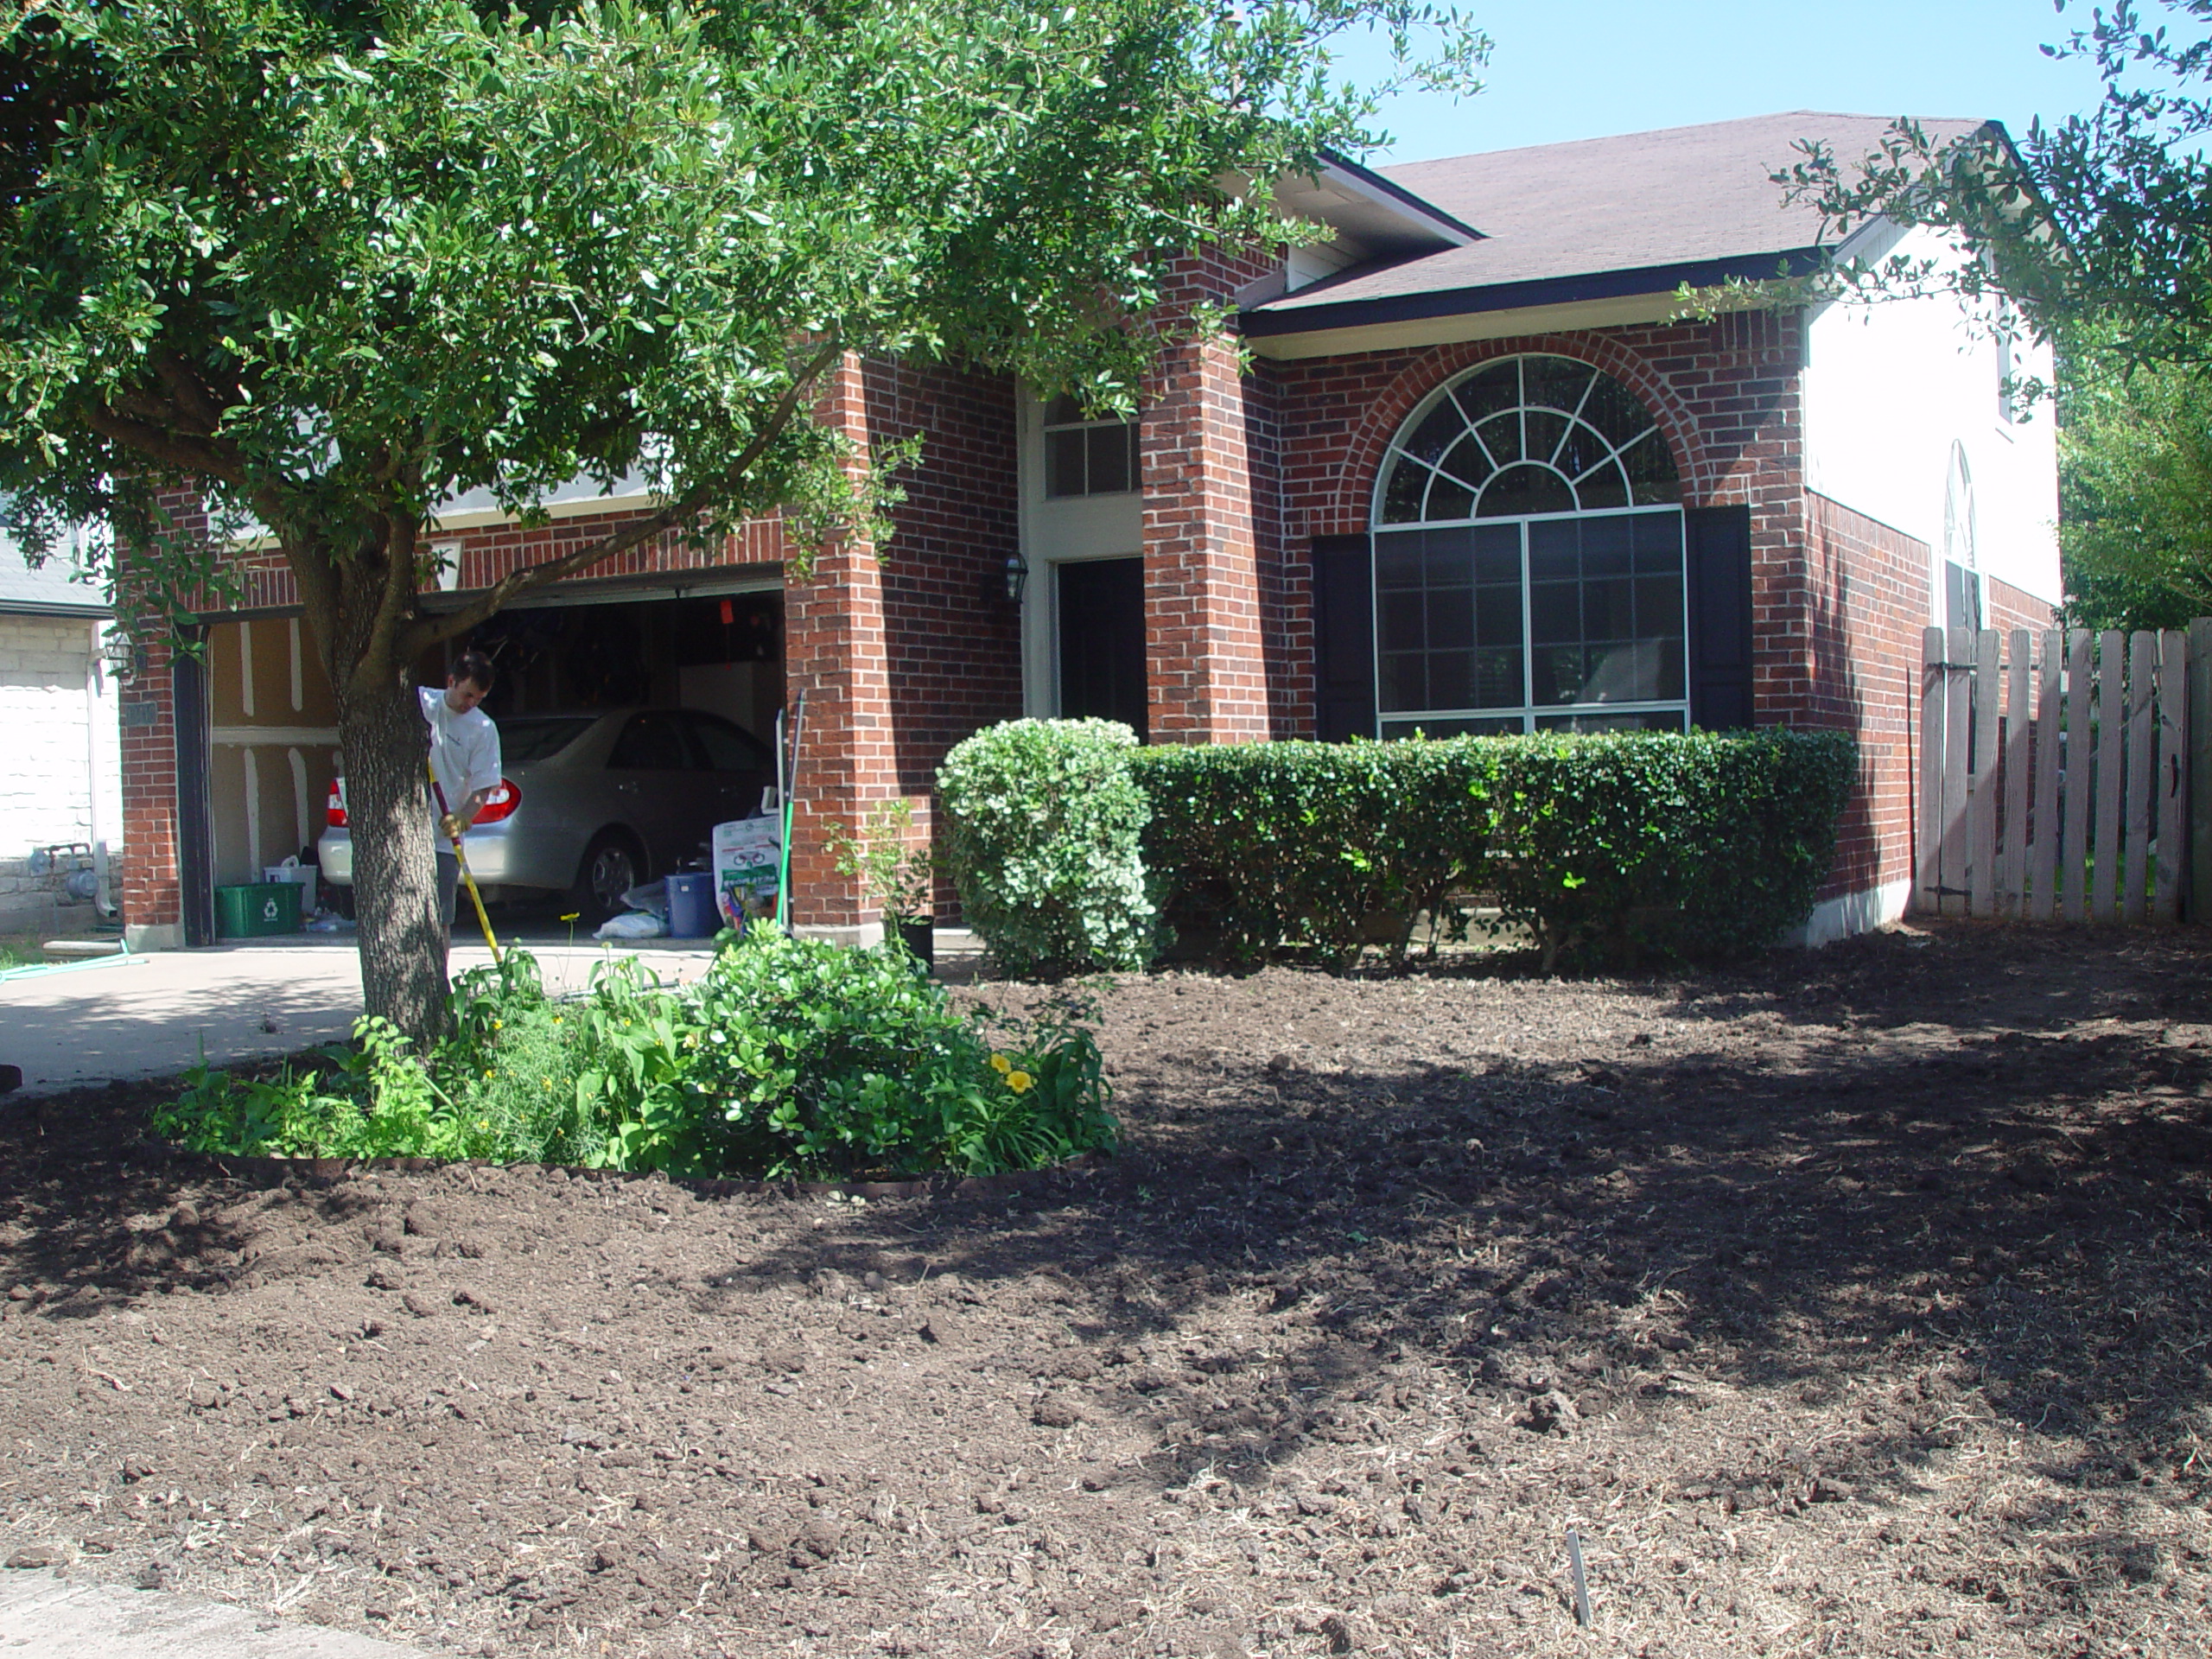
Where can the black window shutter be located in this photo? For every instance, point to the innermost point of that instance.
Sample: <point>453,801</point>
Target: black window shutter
<point>1718,554</point>
<point>1343,636</point>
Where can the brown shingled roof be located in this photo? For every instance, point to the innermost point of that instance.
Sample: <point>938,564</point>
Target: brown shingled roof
<point>1680,196</point>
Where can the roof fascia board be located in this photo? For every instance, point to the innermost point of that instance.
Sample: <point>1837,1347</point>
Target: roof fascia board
<point>60,608</point>
<point>1624,312</point>
<point>1550,291</point>
<point>1349,175</point>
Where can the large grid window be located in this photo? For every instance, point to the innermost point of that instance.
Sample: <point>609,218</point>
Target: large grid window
<point>1528,560</point>
<point>1085,456</point>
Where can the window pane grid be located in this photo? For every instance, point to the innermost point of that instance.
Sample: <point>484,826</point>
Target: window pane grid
<point>1540,624</point>
<point>1090,457</point>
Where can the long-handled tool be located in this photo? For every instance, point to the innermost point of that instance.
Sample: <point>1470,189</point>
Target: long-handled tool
<point>787,787</point>
<point>474,897</point>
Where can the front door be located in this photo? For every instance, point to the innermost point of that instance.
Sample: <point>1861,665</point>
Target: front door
<point>1100,605</point>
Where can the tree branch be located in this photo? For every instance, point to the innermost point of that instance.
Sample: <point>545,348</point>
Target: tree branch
<point>186,454</point>
<point>194,400</point>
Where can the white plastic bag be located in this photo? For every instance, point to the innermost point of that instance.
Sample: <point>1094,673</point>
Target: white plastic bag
<point>632,925</point>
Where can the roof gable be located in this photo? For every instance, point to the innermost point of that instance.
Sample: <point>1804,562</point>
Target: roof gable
<point>1649,208</point>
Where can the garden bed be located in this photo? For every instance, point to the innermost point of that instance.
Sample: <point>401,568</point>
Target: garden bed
<point>1853,1302</point>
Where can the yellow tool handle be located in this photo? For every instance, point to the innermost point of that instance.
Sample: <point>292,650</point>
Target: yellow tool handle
<point>462,858</point>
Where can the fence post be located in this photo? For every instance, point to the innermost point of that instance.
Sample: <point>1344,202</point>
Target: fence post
<point>2081,689</point>
<point>1934,691</point>
<point>2142,741</point>
<point>2171,790</point>
<point>2012,860</point>
<point>2043,905</point>
<point>2199,899</point>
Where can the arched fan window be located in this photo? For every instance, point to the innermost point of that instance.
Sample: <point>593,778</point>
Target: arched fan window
<point>1528,560</point>
<point>1523,437</point>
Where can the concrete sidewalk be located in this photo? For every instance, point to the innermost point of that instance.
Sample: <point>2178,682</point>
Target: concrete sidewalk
<point>154,1015</point>
<point>46,1616</point>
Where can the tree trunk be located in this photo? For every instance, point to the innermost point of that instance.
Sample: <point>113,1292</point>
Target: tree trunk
<point>358,608</point>
<point>395,881</point>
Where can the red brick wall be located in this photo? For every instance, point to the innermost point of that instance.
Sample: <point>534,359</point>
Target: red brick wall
<point>1206,656</point>
<point>1869,591</point>
<point>2009,608</point>
<point>151,897</point>
<point>904,655</point>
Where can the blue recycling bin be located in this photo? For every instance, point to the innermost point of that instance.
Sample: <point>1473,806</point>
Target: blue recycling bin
<point>691,905</point>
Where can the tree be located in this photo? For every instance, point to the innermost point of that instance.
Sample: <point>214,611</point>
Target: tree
<point>2135,488</point>
<point>329,262</point>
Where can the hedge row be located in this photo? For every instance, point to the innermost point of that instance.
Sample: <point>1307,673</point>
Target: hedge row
<point>1699,845</point>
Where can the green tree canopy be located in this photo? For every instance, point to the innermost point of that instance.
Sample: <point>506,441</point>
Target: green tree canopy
<point>330,264</point>
<point>2135,488</point>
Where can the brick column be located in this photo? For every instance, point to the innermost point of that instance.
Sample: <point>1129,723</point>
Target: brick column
<point>834,651</point>
<point>153,899</point>
<point>1206,667</point>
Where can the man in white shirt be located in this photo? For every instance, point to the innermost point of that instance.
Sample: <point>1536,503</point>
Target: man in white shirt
<point>464,757</point>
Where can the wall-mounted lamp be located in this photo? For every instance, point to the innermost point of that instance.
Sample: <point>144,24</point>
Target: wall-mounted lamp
<point>1017,577</point>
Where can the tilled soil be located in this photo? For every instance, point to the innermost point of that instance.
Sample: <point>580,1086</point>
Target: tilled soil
<point>1854,1303</point>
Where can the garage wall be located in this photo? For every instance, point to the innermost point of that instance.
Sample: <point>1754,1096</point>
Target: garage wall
<point>273,744</point>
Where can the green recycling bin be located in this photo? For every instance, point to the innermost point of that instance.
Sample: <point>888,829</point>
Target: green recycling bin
<point>257,910</point>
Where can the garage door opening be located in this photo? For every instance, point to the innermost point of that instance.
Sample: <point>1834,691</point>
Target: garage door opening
<point>273,753</point>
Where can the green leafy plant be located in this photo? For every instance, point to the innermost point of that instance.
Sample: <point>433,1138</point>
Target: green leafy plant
<point>1045,819</point>
<point>897,876</point>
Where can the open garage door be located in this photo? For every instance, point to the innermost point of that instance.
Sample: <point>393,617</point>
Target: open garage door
<point>272,736</point>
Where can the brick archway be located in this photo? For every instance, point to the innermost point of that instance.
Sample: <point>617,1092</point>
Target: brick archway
<point>1346,510</point>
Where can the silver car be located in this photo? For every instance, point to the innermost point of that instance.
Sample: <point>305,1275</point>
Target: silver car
<point>592,804</point>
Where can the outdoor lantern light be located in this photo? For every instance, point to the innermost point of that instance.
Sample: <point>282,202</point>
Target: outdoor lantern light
<point>1017,577</point>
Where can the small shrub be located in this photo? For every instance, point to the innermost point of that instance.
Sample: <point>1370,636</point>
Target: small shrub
<point>1045,819</point>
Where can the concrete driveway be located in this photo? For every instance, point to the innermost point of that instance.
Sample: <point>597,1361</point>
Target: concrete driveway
<point>154,1015</point>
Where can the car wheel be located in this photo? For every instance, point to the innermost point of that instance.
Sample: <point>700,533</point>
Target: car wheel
<point>613,864</point>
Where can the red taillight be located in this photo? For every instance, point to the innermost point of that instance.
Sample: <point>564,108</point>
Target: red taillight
<point>500,803</point>
<point>333,809</point>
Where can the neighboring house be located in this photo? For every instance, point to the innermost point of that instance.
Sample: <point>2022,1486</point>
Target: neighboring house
<point>1472,479</point>
<point>61,788</point>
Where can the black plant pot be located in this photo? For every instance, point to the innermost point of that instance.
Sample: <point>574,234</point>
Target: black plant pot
<point>920,940</point>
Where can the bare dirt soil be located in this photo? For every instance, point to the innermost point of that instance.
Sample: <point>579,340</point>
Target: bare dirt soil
<point>1856,1302</point>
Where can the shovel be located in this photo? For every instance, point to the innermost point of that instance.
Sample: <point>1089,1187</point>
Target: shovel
<point>474,897</point>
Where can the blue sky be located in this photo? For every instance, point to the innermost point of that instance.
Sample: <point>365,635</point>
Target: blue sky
<point>1571,69</point>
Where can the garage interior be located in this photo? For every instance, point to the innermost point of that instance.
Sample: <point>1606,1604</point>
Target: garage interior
<point>272,723</point>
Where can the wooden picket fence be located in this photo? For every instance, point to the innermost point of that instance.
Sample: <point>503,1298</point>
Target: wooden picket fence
<point>2057,780</point>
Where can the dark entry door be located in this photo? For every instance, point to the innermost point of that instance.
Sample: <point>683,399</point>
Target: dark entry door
<point>1101,605</point>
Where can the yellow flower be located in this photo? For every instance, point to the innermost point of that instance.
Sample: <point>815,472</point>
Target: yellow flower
<point>498,1024</point>
<point>572,916</point>
<point>1001,1064</point>
<point>1019,1082</point>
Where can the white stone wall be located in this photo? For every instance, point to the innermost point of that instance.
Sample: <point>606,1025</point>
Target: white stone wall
<point>61,769</point>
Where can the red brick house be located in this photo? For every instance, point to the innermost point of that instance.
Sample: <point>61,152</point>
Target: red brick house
<point>1467,476</point>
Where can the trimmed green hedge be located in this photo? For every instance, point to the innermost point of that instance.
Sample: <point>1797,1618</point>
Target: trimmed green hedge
<point>1702,845</point>
<point>1257,846</point>
<point>1698,845</point>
